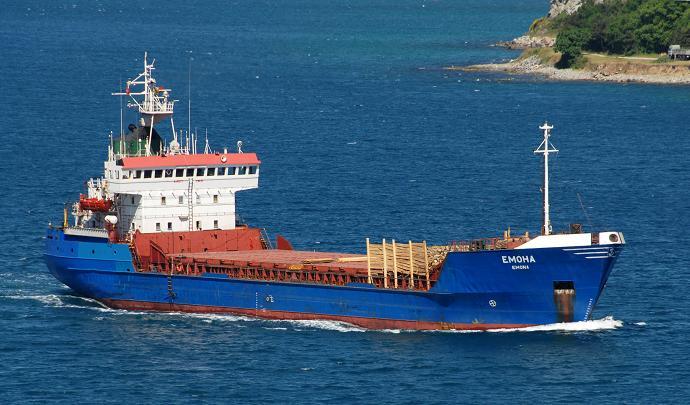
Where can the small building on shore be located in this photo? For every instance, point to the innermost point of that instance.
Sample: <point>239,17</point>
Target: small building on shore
<point>676,52</point>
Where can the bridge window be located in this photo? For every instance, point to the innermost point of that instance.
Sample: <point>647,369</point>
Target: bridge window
<point>137,174</point>
<point>215,224</point>
<point>221,171</point>
<point>162,200</point>
<point>180,200</point>
<point>158,226</point>
<point>147,174</point>
<point>132,200</point>
<point>200,171</point>
<point>252,169</point>
<point>168,172</point>
<point>198,199</point>
<point>159,174</point>
<point>170,226</point>
<point>215,198</point>
<point>179,173</point>
<point>243,170</point>
<point>211,171</point>
<point>198,225</point>
<point>190,172</point>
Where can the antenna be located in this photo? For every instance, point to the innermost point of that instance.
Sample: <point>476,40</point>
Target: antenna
<point>111,150</point>
<point>122,130</point>
<point>545,148</point>
<point>189,97</point>
<point>207,148</point>
<point>584,211</point>
<point>121,124</point>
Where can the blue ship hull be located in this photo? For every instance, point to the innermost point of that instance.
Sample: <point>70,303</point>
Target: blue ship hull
<point>475,290</point>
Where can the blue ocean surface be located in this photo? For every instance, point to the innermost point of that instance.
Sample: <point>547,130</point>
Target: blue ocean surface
<point>362,133</point>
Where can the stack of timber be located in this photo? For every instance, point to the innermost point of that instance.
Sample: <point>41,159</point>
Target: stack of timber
<point>399,265</point>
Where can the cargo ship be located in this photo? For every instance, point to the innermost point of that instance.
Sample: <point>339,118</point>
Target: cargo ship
<point>159,232</point>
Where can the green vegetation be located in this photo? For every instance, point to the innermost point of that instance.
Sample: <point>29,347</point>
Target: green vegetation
<point>546,56</point>
<point>623,27</point>
<point>570,43</point>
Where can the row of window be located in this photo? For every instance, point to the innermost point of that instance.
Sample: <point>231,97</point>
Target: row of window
<point>180,199</point>
<point>195,172</point>
<point>198,225</point>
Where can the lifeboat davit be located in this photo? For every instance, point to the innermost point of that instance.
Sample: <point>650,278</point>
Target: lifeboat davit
<point>94,204</point>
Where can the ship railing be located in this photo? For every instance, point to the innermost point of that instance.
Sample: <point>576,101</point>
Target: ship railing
<point>89,232</point>
<point>155,106</point>
<point>95,182</point>
<point>328,274</point>
<point>474,245</point>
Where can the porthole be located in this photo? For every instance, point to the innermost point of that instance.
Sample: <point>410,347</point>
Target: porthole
<point>613,238</point>
<point>93,251</point>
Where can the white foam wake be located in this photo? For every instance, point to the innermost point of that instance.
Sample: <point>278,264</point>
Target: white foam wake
<point>63,301</point>
<point>324,325</point>
<point>208,318</point>
<point>606,323</point>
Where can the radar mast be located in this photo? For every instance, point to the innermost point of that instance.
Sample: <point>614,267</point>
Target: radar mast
<point>155,105</point>
<point>544,149</point>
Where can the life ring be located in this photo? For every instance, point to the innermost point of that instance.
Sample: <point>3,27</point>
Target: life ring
<point>223,158</point>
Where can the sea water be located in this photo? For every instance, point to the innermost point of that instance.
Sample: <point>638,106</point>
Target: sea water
<point>362,133</point>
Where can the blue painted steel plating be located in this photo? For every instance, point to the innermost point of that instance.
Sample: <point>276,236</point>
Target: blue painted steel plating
<point>473,287</point>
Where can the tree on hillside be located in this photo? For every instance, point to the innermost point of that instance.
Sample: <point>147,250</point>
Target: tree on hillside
<point>681,34</point>
<point>570,43</point>
<point>629,26</point>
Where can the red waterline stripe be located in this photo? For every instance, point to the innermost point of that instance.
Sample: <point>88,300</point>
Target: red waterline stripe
<point>369,323</point>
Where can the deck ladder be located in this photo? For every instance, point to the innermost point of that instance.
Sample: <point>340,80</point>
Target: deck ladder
<point>190,204</point>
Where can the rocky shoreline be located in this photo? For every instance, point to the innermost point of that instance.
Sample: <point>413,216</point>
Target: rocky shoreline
<point>619,73</point>
<point>539,58</point>
<point>527,42</point>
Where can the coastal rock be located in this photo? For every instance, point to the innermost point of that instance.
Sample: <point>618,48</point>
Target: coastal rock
<point>566,6</point>
<point>556,8</point>
<point>528,41</point>
<point>620,72</point>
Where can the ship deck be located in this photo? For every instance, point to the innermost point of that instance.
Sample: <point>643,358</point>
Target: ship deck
<point>285,259</point>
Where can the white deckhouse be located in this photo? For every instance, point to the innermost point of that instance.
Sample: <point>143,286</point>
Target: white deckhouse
<point>152,187</point>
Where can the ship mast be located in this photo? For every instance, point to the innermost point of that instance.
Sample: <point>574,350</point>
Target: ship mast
<point>155,105</point>
<point>545,148</point>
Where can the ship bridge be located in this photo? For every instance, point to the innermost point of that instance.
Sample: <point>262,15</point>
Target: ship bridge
<point>179,192</point>
<point>151,186</point>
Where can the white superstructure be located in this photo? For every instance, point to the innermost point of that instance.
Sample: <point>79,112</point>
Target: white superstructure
<point>149,186</point>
